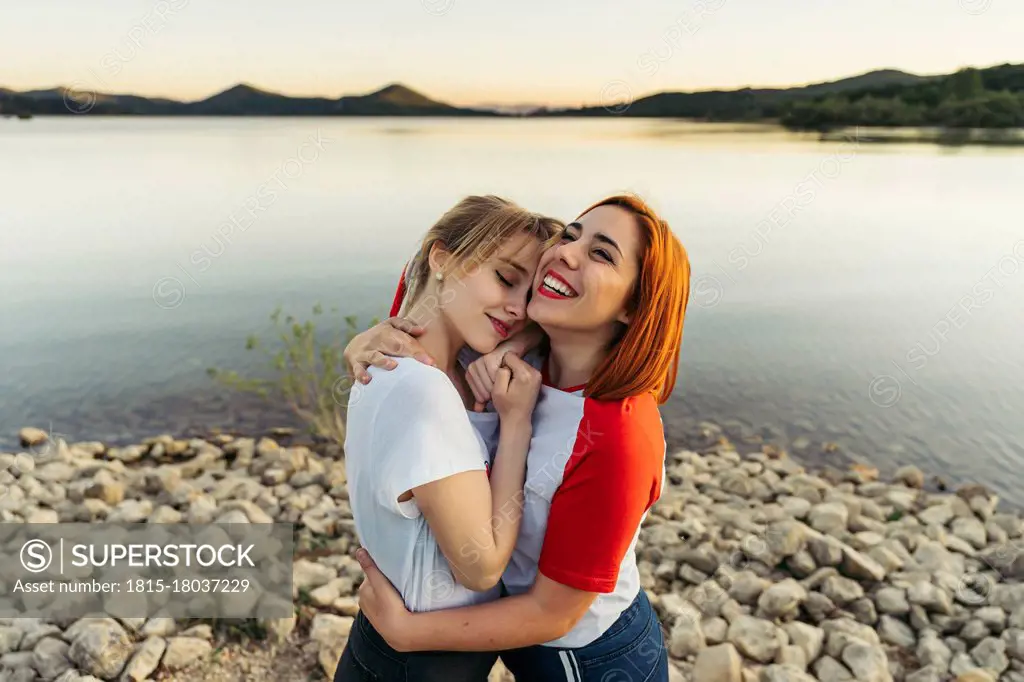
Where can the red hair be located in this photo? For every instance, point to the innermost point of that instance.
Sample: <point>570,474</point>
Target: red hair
<point>645,358</point>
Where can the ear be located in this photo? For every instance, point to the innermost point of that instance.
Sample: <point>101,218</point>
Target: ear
<point>624,317</point>
<point>439,257</point>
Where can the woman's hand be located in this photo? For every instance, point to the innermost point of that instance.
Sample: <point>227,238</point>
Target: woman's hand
<point>381,603</point>
<point>516,386</point>
<point>380,344</point>
<point>481,373</point>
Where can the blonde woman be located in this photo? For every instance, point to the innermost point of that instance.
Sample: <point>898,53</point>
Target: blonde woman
<point>427,501</point>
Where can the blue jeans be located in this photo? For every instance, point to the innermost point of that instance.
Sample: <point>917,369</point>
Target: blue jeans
<point>369,658</point>
<point>632,650</point>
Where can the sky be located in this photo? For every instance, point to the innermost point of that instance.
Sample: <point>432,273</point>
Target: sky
<point>556,52</point>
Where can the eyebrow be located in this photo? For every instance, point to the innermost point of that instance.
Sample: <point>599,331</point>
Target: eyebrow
<point>514,264</point>
<point>600,236</point>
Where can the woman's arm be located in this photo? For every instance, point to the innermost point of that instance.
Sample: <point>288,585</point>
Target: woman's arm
<point>476,522</point>
<point>548,611</point>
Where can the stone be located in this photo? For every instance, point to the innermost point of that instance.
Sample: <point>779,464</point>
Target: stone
<point>993,617</point>
<point>145,661</point>
<point>896,632</point>
<point>784,673</point>
<point>30,437</point>
<point>829,517</point>
<point>701,559</point>
<point>925,674</point>
<point>990,653</point>
<point>792,655</point>
<point>910,476</point>
<point>974,631</point>
<point>747,587</point>
<point>841,590</point>
<point>938,514</point>
<point>932,598</point>
<point>785,538</point>
<point>975,675</point>
<point>818,606</point>
<point>308,574</point>
<point>860,566</point>
<point>686,637</point>
<point>867,663</point>
<point>49,657</point>
<point>182,652</point>
<point>801,564</point>
<point>807,637</point>
<point>716,630</point>
<point>827,551</point>
<point>892,601</point>
<point>328,628</point>
<point>159,627</point>
<point>720,663</point>
<point>1015,643</point>
<point>828,669</point>
<point>971,530</point>
<point>782,599</point>
<point>933,651</point>
<point>102,649</point>
<point>10,638</point>
<point>755,638</point>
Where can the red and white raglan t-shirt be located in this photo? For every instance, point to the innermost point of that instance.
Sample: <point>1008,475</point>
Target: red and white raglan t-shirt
<point>593,471</point>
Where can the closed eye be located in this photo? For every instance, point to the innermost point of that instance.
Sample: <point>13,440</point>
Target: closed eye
<point>604,254</point>
<point>504,281</point>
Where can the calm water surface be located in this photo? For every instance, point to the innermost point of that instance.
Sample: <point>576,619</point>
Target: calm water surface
<point>867,296</point>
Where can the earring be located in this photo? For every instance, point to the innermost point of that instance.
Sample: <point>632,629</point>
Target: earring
<point>438,276</point>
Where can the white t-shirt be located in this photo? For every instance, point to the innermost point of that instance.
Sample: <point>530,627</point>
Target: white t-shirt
<point>406,428</point>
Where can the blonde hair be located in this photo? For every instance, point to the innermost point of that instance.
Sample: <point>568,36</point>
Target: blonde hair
<point>471,231</point>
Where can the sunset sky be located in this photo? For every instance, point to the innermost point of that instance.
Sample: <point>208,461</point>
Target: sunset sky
<point>560,52</point>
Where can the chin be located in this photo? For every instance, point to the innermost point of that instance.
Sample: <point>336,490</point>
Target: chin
<point>483,343</point>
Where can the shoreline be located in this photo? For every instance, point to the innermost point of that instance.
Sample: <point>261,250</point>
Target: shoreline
<point>759,568</point>
<point>932,135</point>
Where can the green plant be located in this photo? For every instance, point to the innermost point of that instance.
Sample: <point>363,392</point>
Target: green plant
<point>307,371</point>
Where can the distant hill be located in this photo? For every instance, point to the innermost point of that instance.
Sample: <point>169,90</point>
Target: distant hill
<point>240,100</point>
<point>982,98</point>
<point>969,98</point>
<point>744,104</point>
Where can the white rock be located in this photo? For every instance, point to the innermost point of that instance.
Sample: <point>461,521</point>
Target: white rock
<point>719,663</point>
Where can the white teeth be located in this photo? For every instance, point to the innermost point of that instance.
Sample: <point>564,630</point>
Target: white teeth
<point>558,287</point>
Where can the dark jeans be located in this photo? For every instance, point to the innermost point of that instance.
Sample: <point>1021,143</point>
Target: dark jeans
<point>368,658</point>
<point>632,650</point>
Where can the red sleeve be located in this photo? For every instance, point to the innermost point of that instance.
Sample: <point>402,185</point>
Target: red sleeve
<point>396,305</point>
<point>611,479</point>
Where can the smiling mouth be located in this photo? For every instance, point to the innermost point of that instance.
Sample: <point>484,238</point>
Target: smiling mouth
<point>553,286</point>
<point>500,327</point>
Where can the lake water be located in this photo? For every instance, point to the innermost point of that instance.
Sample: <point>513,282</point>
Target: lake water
<point>866,296</point>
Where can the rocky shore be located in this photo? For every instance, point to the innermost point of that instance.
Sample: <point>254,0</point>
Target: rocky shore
<point>760,570</point>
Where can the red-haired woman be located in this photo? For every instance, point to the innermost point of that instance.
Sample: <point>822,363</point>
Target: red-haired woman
<point>611,298</point>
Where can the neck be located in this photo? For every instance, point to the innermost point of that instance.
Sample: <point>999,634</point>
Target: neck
<point>575,356</point>
<point>441,342</point>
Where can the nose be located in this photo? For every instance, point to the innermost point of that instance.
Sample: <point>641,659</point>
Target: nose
<point>516,306</point>
<point>569,253</point>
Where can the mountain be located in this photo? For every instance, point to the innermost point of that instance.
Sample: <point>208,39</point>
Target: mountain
<point>239,100</point>
<point>744,104</point>
<point>985,98</point>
